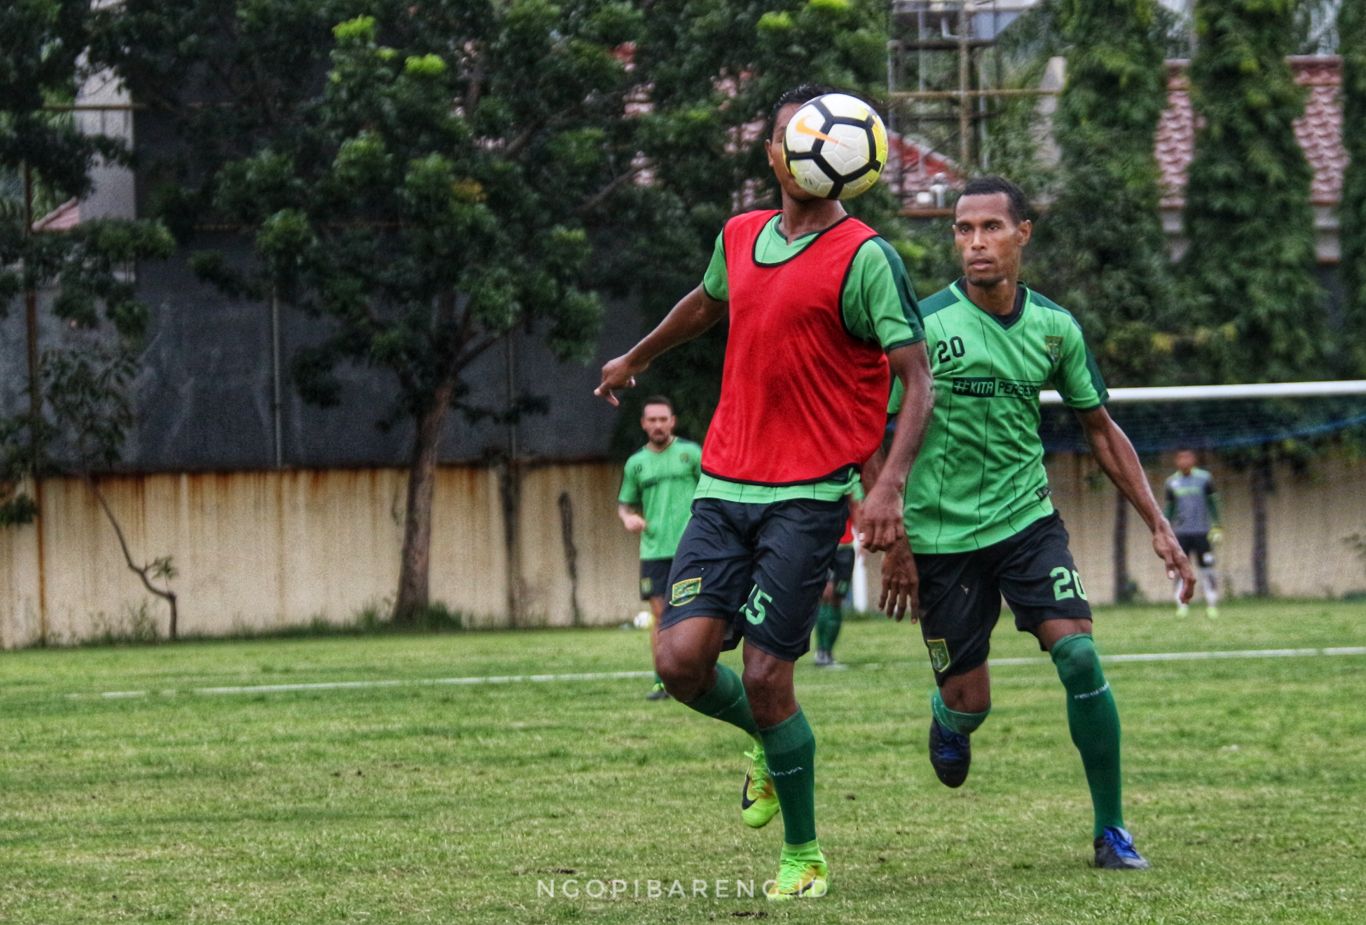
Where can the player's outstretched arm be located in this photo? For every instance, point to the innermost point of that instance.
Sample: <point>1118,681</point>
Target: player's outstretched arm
<point>881,519</point>
<point>1116,456</point>
<point>693,314</point>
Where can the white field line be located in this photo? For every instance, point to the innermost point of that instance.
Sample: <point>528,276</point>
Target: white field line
<point>635,675</point>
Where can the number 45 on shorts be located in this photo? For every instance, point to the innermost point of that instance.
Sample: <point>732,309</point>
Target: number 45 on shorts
<point>755,608</point>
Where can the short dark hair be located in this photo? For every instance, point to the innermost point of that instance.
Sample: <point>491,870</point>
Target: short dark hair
<point>987,186</point>
<point>657,400</point>
<point>803,93</point>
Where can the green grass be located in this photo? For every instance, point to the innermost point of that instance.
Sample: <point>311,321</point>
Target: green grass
<point>1246,779</point>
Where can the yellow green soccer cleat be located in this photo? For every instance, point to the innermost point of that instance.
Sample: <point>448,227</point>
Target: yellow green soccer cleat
<point>801,875</point>
<point>758,799</point>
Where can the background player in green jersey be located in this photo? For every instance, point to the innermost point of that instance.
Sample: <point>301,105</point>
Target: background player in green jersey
<point>830,615</point>
<point>819,308</point>
<point>978,514</point>
<point>655,501</point>
<point>1193,508</point>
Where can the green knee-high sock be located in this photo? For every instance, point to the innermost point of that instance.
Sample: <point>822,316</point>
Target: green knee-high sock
<point>727,702</point>
<point>964,724</point>
<point>828,619</point>
<point>1093,721</point>
<point>791,752</point>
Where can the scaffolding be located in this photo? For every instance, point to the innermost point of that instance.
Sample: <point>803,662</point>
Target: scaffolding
<point>946,78</point>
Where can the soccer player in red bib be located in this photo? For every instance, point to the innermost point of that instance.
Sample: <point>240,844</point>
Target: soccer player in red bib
<point>822,316</point>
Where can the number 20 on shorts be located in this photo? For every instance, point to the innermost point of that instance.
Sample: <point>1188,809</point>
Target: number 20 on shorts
<point>1064,579</point>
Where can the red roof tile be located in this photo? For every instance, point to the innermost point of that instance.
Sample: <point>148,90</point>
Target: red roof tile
<point>1319,130</point>
<point>63,218</point>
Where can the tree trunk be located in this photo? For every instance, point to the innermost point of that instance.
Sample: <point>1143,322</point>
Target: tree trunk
<point>1261,487</point>
<point>511,491</point>
<point>141,571</point>
<point>1120,550</point>
<point>414,575</point>
<point>571,554</point>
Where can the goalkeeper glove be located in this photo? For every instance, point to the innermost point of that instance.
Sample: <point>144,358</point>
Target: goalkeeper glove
<point>1215,536</point>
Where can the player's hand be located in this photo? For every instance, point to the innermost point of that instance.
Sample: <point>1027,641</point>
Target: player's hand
<point>618,374</point>
<point>900,583</point>
<point>634,523</point>
<point>1169,551</point>
<point>881,518</point>
<point>1215,536</point>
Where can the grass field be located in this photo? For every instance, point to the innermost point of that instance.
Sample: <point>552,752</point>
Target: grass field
<point>418,802</point>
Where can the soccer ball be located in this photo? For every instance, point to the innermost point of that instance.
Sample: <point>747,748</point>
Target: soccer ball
<point>835,146</point>
<point>643,620</point>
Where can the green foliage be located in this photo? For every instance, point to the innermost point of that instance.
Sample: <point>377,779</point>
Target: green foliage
<point>1248,274</point>
<point>77,277</point>
<point>1101,244</point>
<point>1011,137</point>
<point>1352,209</point>
<point>431,191</point>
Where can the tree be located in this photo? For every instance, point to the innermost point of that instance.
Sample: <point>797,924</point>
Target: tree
<point>431,177</point>
<point>1101,245</point>
<point>1249,269</point>
<point>77,415</point>
<point>1352,209</point>
<point>77,277</point>
<point>1103,240</point>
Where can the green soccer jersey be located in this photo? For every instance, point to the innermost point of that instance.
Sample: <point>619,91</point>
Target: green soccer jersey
<point>979,478</point>
<point>878,305</point>
<point>661,485</point>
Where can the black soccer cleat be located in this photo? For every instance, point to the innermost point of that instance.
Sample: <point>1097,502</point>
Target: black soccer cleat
<point>950,754</point>
<point>1115,851</point>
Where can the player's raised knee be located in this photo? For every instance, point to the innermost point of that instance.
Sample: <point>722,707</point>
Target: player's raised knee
<point>685,674</point>
<point>1076,657</point>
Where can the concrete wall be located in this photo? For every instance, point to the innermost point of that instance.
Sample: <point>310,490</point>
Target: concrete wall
<point>1310,517</point>
<point>272,549</point>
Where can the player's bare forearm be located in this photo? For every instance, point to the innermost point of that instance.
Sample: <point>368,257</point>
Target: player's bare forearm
<point>881,519</point>
<point>630,518</point>
<point>1116,456</point>
<point>694,313</point>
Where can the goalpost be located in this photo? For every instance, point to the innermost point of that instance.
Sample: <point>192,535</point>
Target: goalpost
<point>1319,426</point>
<point>1184,393</point>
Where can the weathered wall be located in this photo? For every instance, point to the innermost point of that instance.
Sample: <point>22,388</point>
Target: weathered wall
<point>1309,518</point>
<point>272,549</point>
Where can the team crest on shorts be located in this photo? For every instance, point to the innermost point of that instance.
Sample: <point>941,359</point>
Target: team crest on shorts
<point>1053,344</point>
<point>684,591</point>
<point>647,587</point>
<point>939,655</point>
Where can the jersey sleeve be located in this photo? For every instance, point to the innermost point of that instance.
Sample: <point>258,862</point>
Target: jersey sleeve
<point>714,281</point>
<point>878,303</point>
<point>1077,377</point>
<point>630,487</point>
<point>1212,502</point>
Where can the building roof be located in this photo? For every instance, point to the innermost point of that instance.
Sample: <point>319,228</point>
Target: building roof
<point>1319,130</point>
<point>63,218</point>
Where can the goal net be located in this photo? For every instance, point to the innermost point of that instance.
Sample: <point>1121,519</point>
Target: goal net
<point>1221,417</point>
